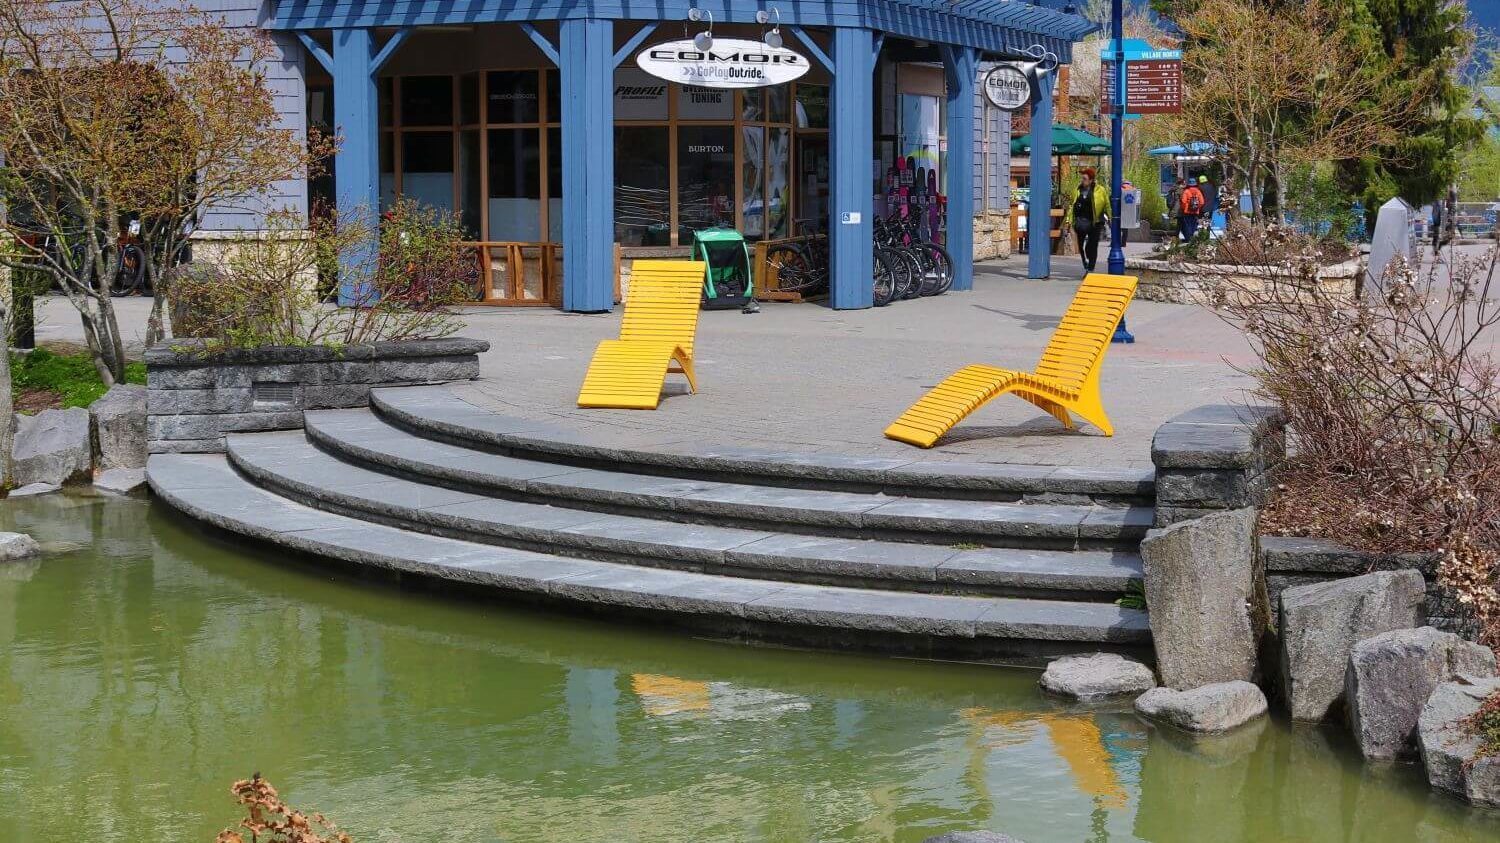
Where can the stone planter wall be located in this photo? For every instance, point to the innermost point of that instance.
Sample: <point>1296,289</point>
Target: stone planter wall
<point>991,235</point>
<point>1215,458</point>
<point>1300,561</point>
<point>193,399</point>
<point>1192,283</point>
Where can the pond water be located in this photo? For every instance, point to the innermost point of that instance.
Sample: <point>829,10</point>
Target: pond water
<point>146,663</point>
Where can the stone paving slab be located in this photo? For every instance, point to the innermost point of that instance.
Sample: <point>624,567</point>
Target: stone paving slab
<point>210,489</point>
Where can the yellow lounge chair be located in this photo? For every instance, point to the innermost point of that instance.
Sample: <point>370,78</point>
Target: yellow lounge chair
<point>1066,379</point>
<point>661,319</point>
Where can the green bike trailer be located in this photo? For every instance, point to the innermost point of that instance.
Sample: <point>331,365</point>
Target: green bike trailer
<point>728,282</point>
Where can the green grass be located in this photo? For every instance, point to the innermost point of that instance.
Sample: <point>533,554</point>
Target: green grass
<point>71,377</point>
<point>1134,596</point>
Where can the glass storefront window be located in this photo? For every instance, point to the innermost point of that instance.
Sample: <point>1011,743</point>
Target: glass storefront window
<point>470,188</point>
<point>387,171</point>
<point>554,185</point>
<point>812,106</point>
<point>812,182</point>
<point>427,101</point>
<point>754,104</point>
<point>778,198</point>
<point>639,95</point>
<point>511,96</point>
<point>515,188</point>
<point>752,181</point>
<point>554,96</point>
<point>385,97</point>
<point>468,99</point>
<point>776,104</point>
<point>705,178</point>
<point>695,102</point>
<point>427,168</point>
<point>643,203</point>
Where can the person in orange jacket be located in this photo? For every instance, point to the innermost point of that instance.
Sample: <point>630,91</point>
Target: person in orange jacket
<point>1193,205</point>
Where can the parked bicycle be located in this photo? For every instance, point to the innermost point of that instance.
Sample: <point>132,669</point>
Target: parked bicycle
<point>906,264</point>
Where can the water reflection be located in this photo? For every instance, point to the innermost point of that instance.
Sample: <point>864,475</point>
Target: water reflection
<point>142,671</point>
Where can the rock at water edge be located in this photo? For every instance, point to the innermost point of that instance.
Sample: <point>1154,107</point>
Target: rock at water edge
<point>1206,601</point>
<point>32,489</point>
<point>52,447</point>
<point>1096,676</point>
<point>1212,708</point>
<point>1447,747</point>
<point>15,546</point>
<point>1321,623</point>
<point>1392,674</point>
<point>120,426</point>
<point>973,837</point>
<point>122,481</point>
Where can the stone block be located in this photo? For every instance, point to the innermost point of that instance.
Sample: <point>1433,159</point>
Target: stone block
<point>1203,487</point>
<point>1392,674</point>
<point>1206,599</point>
<point>1448,747</point>
<point>119,419</point>
<point>1321,623</point>
<point>1096,676</point>
<point>181,377</point>
<point>212,426</point>
<point>52,447</point>
<point>33,489</point>
<point>427,369</point>
<point>176,402</point>
<point>336,396</point>
<point>214,445</point>
<point>1218,707</point>
<point>15,546</point>
<point>122,481</point>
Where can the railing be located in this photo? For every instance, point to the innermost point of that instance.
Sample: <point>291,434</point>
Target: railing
<point>520,274</point>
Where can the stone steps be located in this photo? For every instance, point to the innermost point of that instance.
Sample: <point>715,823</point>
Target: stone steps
<point>291,465</point>
<point>358,436</point>
<point>208,487</point>
<point>435,413</point>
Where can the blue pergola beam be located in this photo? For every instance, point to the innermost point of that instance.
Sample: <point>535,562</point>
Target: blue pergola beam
<point>588,173</point>
<point>542,43</point>
<point>389,49</point>
<point>812,47</point>
<point>315,50</point>
<point>356,112</point>
<point>634,43</point>
<point>1039,209</point>
<point>961,68</point>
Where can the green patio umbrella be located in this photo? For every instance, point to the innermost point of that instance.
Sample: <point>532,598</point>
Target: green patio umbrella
<point>1066,140</point>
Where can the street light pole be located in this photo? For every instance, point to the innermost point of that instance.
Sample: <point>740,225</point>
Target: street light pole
<point>1117,144</point>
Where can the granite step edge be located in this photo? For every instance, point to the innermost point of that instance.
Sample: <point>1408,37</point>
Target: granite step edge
<point>1094,575</point>
<point>435,411</point>
<point>208,489</point>
<point>758,507</point>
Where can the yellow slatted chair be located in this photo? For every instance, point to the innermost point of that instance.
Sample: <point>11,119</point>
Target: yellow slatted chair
<point>660,322</point>
<point>1066,380</point>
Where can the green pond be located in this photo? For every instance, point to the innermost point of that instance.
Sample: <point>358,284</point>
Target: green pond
<point>146,663</point>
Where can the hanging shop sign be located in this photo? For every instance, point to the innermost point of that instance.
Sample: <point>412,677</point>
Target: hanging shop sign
<point>1007,87</point>
<point>728,63</point>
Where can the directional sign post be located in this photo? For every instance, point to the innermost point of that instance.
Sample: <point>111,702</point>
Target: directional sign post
<point>1153,80</point>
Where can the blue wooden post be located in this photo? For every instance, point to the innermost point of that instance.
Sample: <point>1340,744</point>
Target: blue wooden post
<point>852,149</point>
<point>586,47</point>
<point>1039,212</point>
<point>962,67</point>
<point>357,169</point>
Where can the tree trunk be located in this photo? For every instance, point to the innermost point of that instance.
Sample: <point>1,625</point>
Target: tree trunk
<point>7,406</point>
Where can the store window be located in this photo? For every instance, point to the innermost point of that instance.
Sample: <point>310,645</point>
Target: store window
<point>643,201</point>
<point>705,179</point>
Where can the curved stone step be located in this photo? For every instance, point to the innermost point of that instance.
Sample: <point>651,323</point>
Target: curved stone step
<point>206,487</point>
<point>434,411</point>
<point>289,464</point>
<point>361,437</point>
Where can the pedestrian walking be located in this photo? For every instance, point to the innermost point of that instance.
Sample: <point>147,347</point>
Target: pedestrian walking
<point>1090,211</point>
<point>1190,210</point>
<point>1174,206</point>
<point>1210,201</point>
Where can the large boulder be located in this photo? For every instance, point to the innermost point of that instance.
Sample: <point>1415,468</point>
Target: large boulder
<point>1392,674</point>
<point>52,447</point>
<point>1212,708</point>
<point>1206,599</point>
<point>1096,676</point>
<point>1448,746</point>
<point>1320,624</point>
<point>15,546</point>
<point>120,426</point>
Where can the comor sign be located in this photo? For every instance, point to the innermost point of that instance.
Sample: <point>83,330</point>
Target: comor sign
<point>1007,87</point>
<point>729,63</point>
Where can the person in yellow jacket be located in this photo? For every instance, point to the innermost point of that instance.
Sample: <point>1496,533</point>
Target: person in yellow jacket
<point>1090,215</point>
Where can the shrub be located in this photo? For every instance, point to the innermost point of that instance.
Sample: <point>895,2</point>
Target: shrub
<point>1393,410</point>
<point>270,820</point>
<point>267,291</point>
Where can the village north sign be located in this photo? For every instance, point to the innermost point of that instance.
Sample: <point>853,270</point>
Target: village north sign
<point>729,63</point>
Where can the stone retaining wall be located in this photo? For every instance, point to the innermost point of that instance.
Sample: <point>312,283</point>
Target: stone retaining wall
<point>193,399</point>
<point>1215,458</point>
<point>1193,283</point>
<point>1300,561</point>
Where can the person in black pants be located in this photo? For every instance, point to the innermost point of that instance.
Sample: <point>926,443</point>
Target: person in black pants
<point>1089,213</point>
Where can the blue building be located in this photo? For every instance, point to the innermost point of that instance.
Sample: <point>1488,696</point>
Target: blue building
<point>534,122</point>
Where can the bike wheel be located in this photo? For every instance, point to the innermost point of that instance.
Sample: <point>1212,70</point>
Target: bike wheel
<point>912,260</point>
<point>131,272</point>
<point>793,269</point>
<point>885,279</point>
<point>938,272</point>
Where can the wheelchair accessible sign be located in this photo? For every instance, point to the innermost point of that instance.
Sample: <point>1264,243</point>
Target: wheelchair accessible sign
<point>729,63</point>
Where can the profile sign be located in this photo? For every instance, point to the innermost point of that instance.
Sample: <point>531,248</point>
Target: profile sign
<point>1007,87</point>
<point>728,63</point>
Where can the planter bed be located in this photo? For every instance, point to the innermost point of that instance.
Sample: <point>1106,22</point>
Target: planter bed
<point>1193,283</point>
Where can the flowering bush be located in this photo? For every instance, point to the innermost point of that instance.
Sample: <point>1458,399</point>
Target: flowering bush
<point>1393,409</point>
